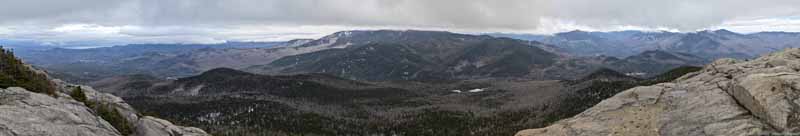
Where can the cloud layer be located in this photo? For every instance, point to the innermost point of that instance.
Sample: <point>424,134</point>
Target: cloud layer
<point>204,17</point>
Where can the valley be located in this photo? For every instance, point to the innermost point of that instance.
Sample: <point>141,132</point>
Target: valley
<point>382,82</point>
<point>230,102</point>
<point>399,68</point>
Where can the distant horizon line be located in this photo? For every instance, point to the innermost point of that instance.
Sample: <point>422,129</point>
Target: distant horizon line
<point>86,46</point>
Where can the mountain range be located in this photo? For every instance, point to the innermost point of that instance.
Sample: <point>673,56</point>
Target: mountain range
<point>398,55</point>
<point>390,82</point>
<point>361,55</point>
<point>707,44</point>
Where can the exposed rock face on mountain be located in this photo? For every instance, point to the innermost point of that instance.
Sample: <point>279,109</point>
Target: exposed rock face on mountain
<point>151,126</point>
<point>48,110</point>
<point>728,97</point>
<point>25,113</point>
<point>142,125</point>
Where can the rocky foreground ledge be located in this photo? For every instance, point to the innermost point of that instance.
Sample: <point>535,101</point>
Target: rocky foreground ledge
<point>25,113</point>
<point>727,97</point>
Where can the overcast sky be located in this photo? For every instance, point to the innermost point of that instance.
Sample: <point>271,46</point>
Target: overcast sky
<point>210,21</point>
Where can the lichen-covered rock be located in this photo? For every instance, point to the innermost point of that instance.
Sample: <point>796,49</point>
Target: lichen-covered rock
<point>24,113</point>
<point>771,97</point>
<point>728,97</point>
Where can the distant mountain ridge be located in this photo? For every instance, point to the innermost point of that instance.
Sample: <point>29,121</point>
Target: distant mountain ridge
<point>411,55</point>
<point>156,59</point>
<point>382,55</point>
<point>362,55</point>
<point>707,44</point>
<point>654,62</point>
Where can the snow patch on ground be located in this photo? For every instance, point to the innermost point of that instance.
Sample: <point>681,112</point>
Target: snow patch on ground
<point>196,90</point>
<point>471,91</point>
<point>476,90</point>
<point>635,74</point>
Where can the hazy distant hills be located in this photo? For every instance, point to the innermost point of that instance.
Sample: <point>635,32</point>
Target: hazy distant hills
<point>92,64</point>
<point>404,55</point>
<point>382,82</point>
<point>370,55</point>
<point>654,62</point>
<point>706,44</point>
<point>161,60</point>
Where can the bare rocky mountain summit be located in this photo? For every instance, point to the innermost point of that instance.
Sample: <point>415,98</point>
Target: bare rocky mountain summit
<point>51,107</point>
<point>25,113</point>
<point>727,97</point>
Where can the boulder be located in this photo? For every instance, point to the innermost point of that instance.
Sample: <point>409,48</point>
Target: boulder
<point>772,98</point>
<point>144,126</point>
<point>24,113</point>
<point>150,126</point>
<point>727,97</point>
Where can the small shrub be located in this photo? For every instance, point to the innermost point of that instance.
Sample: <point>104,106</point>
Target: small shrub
<point>77,94</point>
<point>105,111</point>
<point>14,73</point>
<point>116,119</point>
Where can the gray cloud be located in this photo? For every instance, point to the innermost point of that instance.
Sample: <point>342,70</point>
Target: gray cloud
<point>512,14</point>
<point>680,14</point>
<point>219,20</point>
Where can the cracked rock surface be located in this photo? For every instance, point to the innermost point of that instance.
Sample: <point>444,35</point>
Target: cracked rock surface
<point>25,113</point>
<point>727,97</point>
<point>142,126</point>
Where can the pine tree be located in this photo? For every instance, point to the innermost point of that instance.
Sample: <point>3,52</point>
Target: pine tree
<point>14,73</point>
